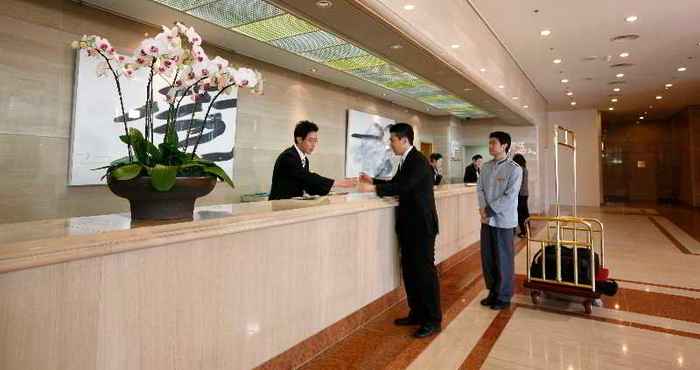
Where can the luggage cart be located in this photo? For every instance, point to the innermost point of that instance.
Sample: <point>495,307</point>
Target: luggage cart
<point>571,234</point>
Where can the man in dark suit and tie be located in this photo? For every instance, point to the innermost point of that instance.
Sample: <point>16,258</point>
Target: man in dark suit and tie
<point>471,173</point>
<point>436,164</point>
<point>292,177</point>
<point>416,228</point>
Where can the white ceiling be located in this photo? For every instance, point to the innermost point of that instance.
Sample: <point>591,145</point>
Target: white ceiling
<point>669,34</point>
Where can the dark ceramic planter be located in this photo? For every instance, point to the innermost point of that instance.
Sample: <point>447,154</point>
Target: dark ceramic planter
<point>149,204</point>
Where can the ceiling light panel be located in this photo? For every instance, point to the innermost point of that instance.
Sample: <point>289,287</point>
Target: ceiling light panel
<point>267,23</point>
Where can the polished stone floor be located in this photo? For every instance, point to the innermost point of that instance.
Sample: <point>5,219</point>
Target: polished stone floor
<point>652,323</point>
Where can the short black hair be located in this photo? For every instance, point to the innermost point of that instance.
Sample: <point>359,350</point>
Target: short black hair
<point>520,160</point>
<point>304,128</point>
<point>502,137</point>
<point>476,157</point>
<point>435,157</point>
<point>402,130</point>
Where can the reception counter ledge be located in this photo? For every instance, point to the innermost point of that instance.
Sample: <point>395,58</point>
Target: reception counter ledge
<point>266,284</point>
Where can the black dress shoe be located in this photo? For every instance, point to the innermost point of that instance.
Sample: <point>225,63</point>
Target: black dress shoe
<point>500,305</point>
<point>427,330</point>
<point>488,301</point>
<point>407,321</point>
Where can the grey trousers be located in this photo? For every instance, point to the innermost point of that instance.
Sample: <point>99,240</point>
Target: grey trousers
<point>497,261</point>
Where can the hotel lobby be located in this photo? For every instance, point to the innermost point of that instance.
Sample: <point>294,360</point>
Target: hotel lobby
<point>235,184</point>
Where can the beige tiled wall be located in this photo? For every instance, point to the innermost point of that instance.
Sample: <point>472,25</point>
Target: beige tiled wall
<point>36,70</point>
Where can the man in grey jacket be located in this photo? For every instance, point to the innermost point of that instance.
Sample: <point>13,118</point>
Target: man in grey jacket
<point>497,189</point>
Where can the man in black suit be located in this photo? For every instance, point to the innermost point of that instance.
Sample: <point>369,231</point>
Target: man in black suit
<point>292,177</point>
<point>416,228</point>
<point>436,164</point>
<point>471,173</point>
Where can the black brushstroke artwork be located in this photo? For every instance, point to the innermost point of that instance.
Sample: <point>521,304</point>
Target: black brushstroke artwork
<point>214,127</point>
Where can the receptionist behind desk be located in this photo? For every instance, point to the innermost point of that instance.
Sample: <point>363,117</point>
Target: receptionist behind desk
<point>292,177</point>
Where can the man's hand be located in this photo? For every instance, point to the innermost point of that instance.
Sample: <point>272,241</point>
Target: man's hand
<point>364,187</point>
<point>484,216</point>
<point>345,183</point>
<point>364,178</point>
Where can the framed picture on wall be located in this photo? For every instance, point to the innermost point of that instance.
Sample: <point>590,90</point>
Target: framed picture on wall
<point>367,146</point>
<point>97,122</point>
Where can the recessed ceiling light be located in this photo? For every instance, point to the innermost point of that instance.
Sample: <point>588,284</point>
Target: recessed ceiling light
<point>564,81</point>
<point>631,18</point>
<point>525,106</point>
<point>624,55</point>
<point>501,86</point>
<point>611,108</point>
<point>669,85</point>
<point>617,89</point>
<point>614,100</point>
<point>385,94</point>
<point>313,70</point>
<point>573,103</point>
<point>454,46</point>
<point>545,33</point>
<point>659,97</point>
<point>396,46</point>
<point>324,4</point>
<point>682,69</point>
<point>483,70</point>
<point>569,93</point>
<point>646,113</point>
<point>641,117</point>
<point>515,98</point>
<point>409,7</point>
<point>620,75</point>
<point>556,61</point>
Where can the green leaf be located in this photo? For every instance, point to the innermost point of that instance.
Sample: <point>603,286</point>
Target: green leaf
<point>139,145</point>
<point>122,160</point>
<point>220,173</point>
<point>153,151</point>
<point>163,177</point>
<point>171,135</point>
<point>127,172</point>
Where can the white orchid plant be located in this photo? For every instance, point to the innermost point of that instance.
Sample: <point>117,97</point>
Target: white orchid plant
<point>175,55</point>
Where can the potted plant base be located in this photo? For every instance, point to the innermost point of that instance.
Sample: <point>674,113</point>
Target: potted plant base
<point>148,203</point>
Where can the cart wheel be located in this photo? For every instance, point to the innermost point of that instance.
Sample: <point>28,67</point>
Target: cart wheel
<point>588,307</point>
<point>536,297</point>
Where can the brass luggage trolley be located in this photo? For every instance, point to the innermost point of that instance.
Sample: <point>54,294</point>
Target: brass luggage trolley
<point>572,233</point>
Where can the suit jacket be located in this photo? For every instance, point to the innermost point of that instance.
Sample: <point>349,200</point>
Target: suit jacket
<point>471,174</point>
<point>436,177</point>
<point>290,179</point>
<point>413,183</point>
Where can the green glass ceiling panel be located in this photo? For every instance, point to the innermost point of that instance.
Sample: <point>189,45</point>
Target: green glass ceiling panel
<point>276,28</point>
<point>342,51</point>
<point>185,4</point>
<point>232,13</point>
<point>405,84</point>
<point>375,70</point>
<point>307,42</point>
<point>424,90</point>
<point>355,62</point>
<point>261,20</point>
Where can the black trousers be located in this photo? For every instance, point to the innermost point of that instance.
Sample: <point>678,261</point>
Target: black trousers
<point>497,257</point>
<point>523,212</point>
<point>420,277</point>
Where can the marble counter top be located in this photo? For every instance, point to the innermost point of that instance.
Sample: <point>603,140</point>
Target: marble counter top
<point>38,243</point>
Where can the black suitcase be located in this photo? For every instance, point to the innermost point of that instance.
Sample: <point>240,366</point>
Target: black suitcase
<point>585,274</point>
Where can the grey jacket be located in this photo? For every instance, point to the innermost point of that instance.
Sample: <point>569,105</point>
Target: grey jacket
<point>497,189</point>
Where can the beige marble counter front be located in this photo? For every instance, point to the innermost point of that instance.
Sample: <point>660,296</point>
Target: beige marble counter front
<point>236,286</point>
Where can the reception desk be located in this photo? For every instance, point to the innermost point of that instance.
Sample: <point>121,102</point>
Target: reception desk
<point>241,286</point>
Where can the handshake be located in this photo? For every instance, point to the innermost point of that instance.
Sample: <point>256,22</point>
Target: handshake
<point>363,183</point>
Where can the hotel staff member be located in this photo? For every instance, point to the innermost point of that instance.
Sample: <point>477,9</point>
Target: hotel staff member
<point>292,177</point>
